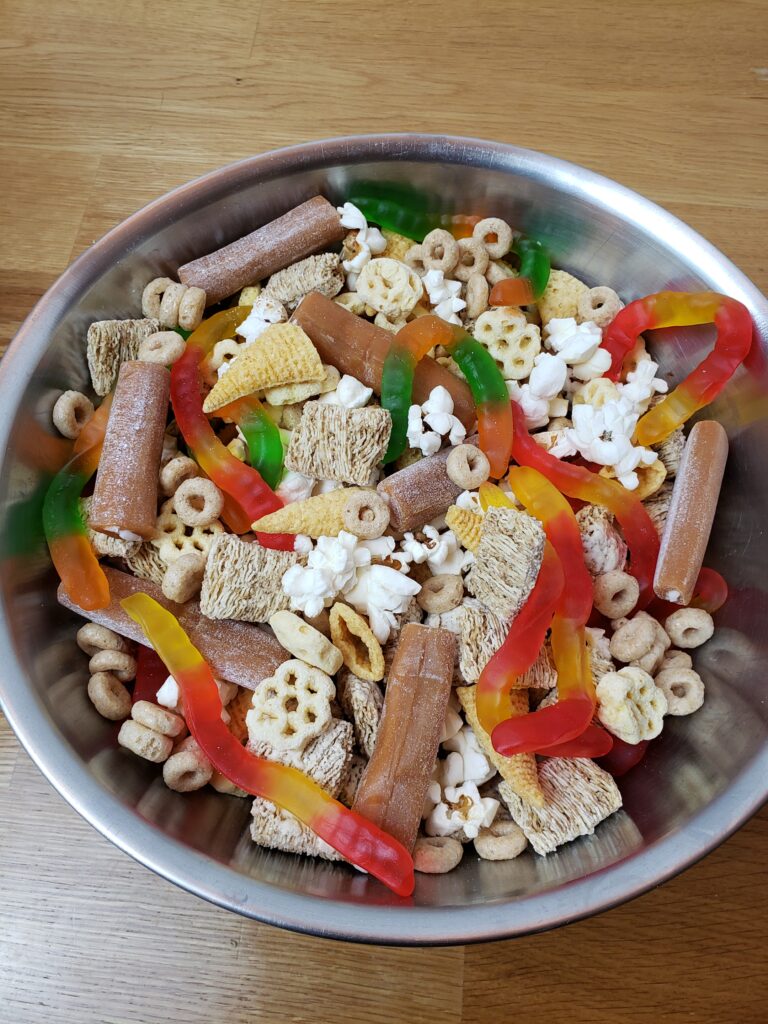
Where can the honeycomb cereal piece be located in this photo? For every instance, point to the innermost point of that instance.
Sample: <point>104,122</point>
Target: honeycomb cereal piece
<point>390,287</point>
<point>578,795</point>
<point>175,539</point>
<point>393,326</point>
<point>561,297</point>
<point>466,525</point>
<point>519,771</point>
<point>305,642</point>
<point>319,516</point>
<point>689,627</point>
<point>282,354</point>
<point>333,443</point>
<point>321,273</point>
<point>440,251</point>
<point>71,412</point>
<point>291,394</point>
<point>630,705</point>
<point>436,855</point>
<point>507,560</point>
<point>291,708</point>
<point>604,548</point>
<point>360,650</point>
<point>599,305</point>
<point>110,343</point>
<point>510,339</point>
<point>327,759</point>
<point>243,581</point>
<point>482,634</point>
<point>503,840</point>
<point>276,829</point>
<point>683,689</point>
<point>362,702</point>
<point>397,245</point>
<point>495,234</point>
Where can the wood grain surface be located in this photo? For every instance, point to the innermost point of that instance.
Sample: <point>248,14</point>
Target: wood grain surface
<point>105,105</point>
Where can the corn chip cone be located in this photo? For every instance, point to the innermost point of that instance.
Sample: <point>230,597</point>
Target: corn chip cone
<point>237,709</point>
<point>283,354</point>
<point>466,525</point>
<point>519,770</point>
<point>397,245</point>
<point>320,516</point>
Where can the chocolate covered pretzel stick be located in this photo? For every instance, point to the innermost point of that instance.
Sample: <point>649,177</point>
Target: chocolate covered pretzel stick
<point>306,229</point>
<point>359,348</point>
<point>394,785</point>
<point>124,500</point>
<point>236,651</point>
<point>691,512</point>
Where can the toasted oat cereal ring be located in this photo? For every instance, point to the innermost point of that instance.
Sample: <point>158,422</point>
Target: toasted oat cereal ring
<point>71,412</point>
<point>186,770</point>
<point>191,308</point>
<point>144,742</point>
<point>467,467</point>
<point>120,664</point>
<point>359,648</point>
<point>158,719</point>
<point>198,502</point>
<point>615,593</point>
<point>441,593</point>
<point>92,638</point>
<point>632,640</point>
<point>169,304</point>
<point>305,642</point>
<point>503,840</point>
<point>689,627</point>
<point>600,305</point>
<point>439,251</point>
<point>476,296</point>
<point>680,659</point>
<point>152,294</point>
<point>414,258</point>
<point>473,259</point>
<point>184,577</point>
<point>162,347</point>
<point>109,696</point>
<point>436,855</point>
<point>292,707</point>
<point>175,472</point>
<point>223,352</point>
<point>495,234</point>
<point>683,689</point>
<point>365,514</point>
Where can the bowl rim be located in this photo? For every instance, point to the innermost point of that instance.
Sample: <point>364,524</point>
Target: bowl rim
<point>199,874</point>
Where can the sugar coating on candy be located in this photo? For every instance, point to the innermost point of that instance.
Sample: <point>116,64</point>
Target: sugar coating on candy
<point>507,560</point>
<point>243,581</point>
<point>578,795</point>
<point>362,702</point>
<point>518,771</point>
<point>482,633</point>
<point>327,758</point>
<point>110,343</point>
<point>236,651</point>
<point>282,354</point>
<point>277,829</point>
<point>304,230</point>
<point>332,443</point>
<point>321,274</point>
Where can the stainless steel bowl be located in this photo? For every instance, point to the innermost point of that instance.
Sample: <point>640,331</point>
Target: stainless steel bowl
<point>703,778</point>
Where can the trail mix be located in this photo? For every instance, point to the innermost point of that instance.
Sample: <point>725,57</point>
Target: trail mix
<point>395,529</point>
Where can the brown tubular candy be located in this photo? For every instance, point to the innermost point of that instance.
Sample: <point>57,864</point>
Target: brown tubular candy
<point>421,492</point>
<point>691,512</point>
<point>236,651</point>
<point>394,784</point>
<point>305,230</point>
<point>125,495</point>
<point>359,348</point>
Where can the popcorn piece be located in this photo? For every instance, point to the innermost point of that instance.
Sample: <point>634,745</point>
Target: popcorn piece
<point>381,593</point>
<point>321,273</point>
<point>360,649</point>
<point>482,634</point>
<point>332,443</point>
<point>575,343</point>
<point>578,795</point>
<point>465,525</point>
<point>110,343</point>
<point>305,642</point>
<point>292,707</point>
<point>561,296</point>
<point>321,516</point>
<point>518,771</point>
<point>331,567</point>
<point>444,295</point>
<point>282,354</point>
<point>243,581</point>
<point>295,487</point>
<point>440,551</point>
<point>462,810</point>
<point>507,560</point>
<point>327,759</point>
<point>604,547</point>
<point>279,830</point>
<point>604,436</point>
<point>362,703</point>
<point>596,393</point>
<point>349,394</point>
<point>390,287</point>
<point>510,339</point>
<point>266,310</point>
<point>650,478</point>
<point>630,705</point>
<point>360,244</point>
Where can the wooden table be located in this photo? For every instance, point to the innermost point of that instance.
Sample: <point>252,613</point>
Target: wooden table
<point>105,105</point>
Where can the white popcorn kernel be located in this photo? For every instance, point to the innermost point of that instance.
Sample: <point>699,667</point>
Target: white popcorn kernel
<point>548,376</point>
<point>444,296</point>
<point>349,393</point>
<point>169,694</point>
<point>475,765</point>
<point>265,311</point>
<point>469,500</point>
<point>302,544</point>
<point>575,343</point>
<point>381,593</point>
<point>463,810</point>
<point>295,487</point>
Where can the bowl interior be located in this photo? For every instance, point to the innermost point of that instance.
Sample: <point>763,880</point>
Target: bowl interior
<point>700,779</point>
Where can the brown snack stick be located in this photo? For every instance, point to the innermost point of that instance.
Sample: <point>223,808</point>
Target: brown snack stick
<point>421,492</point>
<point>394,785</point>
<point>691,512</point>
<point>125,496</point>
<point>359,348</point>
<point>236,651</point>
<point>304,230</point>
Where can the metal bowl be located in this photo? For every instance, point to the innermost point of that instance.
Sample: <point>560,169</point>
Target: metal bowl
<point>701,780</point>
